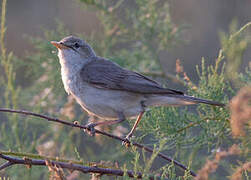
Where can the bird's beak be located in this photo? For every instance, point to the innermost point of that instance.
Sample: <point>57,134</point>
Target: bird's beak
<point>59,45</point>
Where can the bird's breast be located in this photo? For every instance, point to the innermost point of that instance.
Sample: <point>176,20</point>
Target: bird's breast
<point>69,80</point>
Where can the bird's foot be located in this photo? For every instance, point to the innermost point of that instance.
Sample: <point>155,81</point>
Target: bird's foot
<point>127,142</point>
<point>90,129</point>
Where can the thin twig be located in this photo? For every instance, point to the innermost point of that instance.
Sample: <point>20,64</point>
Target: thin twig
<point>37,156</point>
<point>240,30</point>
<point>5,165</point>
<point>84,169</point>
<point>98,132</point>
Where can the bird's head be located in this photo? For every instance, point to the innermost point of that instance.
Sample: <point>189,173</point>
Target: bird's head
<point>71,47</point>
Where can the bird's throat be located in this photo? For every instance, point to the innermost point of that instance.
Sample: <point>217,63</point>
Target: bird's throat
<point>71,64</point>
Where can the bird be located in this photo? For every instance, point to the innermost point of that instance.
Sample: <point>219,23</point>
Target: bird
<point>110,92</point>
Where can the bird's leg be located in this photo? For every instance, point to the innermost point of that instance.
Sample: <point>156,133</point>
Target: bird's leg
<point>90,126</point>
<point>129,135</point>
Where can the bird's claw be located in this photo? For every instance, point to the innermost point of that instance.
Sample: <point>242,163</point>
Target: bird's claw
<point>127,142</point>
<point>90,129</point>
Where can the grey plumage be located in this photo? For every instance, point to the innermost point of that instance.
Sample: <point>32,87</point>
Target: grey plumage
<point>108,91</point>
<point>103,73</point>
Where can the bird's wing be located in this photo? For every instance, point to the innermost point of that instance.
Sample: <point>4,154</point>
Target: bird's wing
<point>105,74</point>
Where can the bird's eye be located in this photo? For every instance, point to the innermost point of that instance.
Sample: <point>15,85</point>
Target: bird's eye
<point>76,45</point>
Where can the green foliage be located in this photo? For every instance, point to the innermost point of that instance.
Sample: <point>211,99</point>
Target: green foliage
<point>234,46</point>
<point>140,30</point>
<point>205,127</point>
<point>133,35</point>
<point>7,84</point>
<point>246,77</point>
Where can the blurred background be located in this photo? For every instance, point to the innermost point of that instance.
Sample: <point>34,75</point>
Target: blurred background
<point>194,46</point>
<point>205,19</point>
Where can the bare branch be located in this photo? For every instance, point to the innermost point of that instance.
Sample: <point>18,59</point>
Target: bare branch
<point>84,169</point>
<point>98,132</point>
<point>5,165</point>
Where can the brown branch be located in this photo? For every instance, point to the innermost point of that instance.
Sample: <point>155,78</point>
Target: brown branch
<point>99,132</point>
<point>5,165</point>
<point>84,169</point>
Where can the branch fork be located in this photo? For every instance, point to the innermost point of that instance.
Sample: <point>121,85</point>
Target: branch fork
<point>77,125</point>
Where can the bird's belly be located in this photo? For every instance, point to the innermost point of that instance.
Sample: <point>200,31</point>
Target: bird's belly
<point>107,104</point>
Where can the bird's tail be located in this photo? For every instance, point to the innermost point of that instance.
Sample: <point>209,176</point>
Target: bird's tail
<point>177,100</point>
<point>199,100</point>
